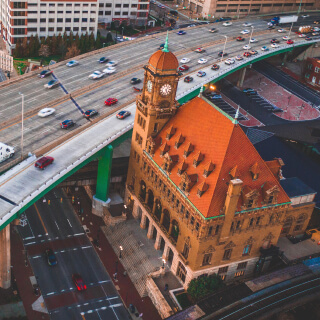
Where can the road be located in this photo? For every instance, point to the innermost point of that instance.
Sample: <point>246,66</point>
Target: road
<point>40,131</point>
<point>56,226</point>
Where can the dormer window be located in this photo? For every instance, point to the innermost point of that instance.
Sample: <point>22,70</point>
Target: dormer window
<point>249,197</point>
<point>234,173</point>
<point>188,149</point>
<point>255,171</point>
<point>179,141</point>
<point>270,193</point>
<point>164,149</point>
<point>202,188</point>
<point>182,167</point>
<point>209,167</point>
<point>187,181</point>
<point>170,132</point>
<point>197,159</point>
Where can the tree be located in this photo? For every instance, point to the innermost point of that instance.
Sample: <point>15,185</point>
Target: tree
<point>112,25</point>
<point>44,50</point>
<point>91,42</point>
<point>54,45</point>
<point>98,43</point>
<point>200,287</point>
<point>72,52</point>
<point>35,46</point>
<point>77,41</point>
<point>25,47</point>
<point>70,39</point>
<point>17,52</point>
<point>31,47</point>
<point>109,37</point>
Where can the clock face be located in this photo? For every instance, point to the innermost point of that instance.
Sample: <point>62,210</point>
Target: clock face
<point>165,89</point>
<point>149,85</point>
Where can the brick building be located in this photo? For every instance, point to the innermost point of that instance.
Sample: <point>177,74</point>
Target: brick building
<point>200,188</point>
<point>311,72</point>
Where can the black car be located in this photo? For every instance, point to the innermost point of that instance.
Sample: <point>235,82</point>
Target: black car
<point>215,67</point>
<point>45,73</point>
<point>123,114</point>
<point>220,54</point>
<point>188,79</point>
<point>308,38</point>
<point>67,124</point>
<point>135,80</point>
<point>274,41</point>
<point>103,60</point>
<point>249,91</point>
<point>51,257</point>
<point>90,113</point>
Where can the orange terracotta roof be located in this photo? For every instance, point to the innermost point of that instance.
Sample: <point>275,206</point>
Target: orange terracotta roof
<point>164,61</point>
<point>275,166</point>
<point>224,145</point>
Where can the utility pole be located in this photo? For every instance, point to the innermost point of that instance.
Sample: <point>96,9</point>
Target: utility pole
<point>22,111</point>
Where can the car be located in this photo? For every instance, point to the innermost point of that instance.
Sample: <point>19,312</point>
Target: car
<point>184,68</point>
<point>247,24</point>
<point>90,113</point>
<point>135,80</point>
<point>111,63</point>
<point>271,27</point>
<point>67,124</point>
<point>72,63</point>
<point>308,38</point>
<point>43,162</point>
<point>78,281</point>
<point>215,96</point>
<point>286,38</point>
<point>240,39</point>
<point>184,60</point>
<point>274,45</point>
<point>110,101</point>
<point>290,41</point>
<point>202,61</point>
<point>221,53</point>
<point>119,39</point>
<point>181,32</point>
<point>239,58</point>
<point>281,30</point>
<point>213,30</point>
<point>51,257</point>
<point>215,67</point>
<point>245,32</point>
<point>249,91</point>
<point>227,24</point>
<point>253,52</point>
<point>109,70</point>
<point>274,41</point>
<point>103,60</point>
<point>199,50</point>
<point>52,83</point>
<point>253,40</point>
<point>44,73</point>
<point>201,74</point>
<point>188,79</point>
<point>123,114</point>
<point>229,61</point>
<point>96,75</point>
<point>302,35</point>
<point>264,48</point>
<point>45,112</point>
<point>247,54</point>
<point>246,47</point>
<point>305,16</point>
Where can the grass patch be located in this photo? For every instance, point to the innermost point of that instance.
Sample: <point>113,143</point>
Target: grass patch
<point>23,62</point>
<point>184,300</point>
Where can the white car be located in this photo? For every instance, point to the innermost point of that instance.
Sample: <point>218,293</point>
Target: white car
<point>246,47</point>
<point>286,38</point>
<point>281,30</point>
<point>302,35</point>
<point>239,58</point>
<point>253,40</point>
<point>184,60</point>
<point>202,61</point>
<point>227,24</point>
<point>247,24</point>
<point>72,63</point>
<point>96,75</point>
<point>274,45</point>
<point>111,63</point>
<point>109,70</point>
<point>229,61</point>
<point>305,16</point>
<point>46,112</point>
<point>264,48</point>
<point>245,32</point>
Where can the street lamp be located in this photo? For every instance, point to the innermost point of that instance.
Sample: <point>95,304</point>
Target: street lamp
<point>19,70</point>
<point>163,262</point>
<point>224,48</point>
<point>251,34</point>
<point>299,9</point>
<point>120,255</point>
<point>103,45</point>
<point>22,107</point>
<point>122,32</point>
<point>290,30</point>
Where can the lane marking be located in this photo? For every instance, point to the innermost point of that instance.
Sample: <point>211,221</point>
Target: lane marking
<point>57,227</point>
<point>69,225</point>
<point>44,227</point>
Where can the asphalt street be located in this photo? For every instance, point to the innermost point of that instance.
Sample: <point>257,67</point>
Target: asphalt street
<point>56,226</point>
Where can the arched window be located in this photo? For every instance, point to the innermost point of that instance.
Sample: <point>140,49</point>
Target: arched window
<point>143,191</point>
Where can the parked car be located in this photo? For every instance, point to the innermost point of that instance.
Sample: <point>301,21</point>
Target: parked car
<point>66,124</point>
<point>43,162</point>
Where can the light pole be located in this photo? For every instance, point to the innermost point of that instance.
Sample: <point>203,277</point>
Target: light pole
<point>19,70</point>
<point>22,107</point>
<point>251,35</point>
<point>299,8</point>
<point>122,32</point>
<point>120,255</point>
<point>103,45</point>
<point>224,47</point>
<point>290,30</point>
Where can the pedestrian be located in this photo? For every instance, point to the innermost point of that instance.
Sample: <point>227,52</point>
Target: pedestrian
<point>166,287</point>
<point>115,276</point>
<point>124,273</point>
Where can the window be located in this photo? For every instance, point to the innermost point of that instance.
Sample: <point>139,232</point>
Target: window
<point>34,12</point>
<point>207,259</point>
<point>85,5</point>
<point>242,265</point>
<point>238,225</point>
<point>126,5</point>
<point>217,229</point>
<point>19,22</point>
<point>77,5</point>
<point>125,13</point>
<point>250,203</point>
<point>187,214</point>
<point>109,5</point>
<point>68,19</point>
<point>222,272</point>
<point>52,5</point>
<point>32,5</point>
<point>71,12</point>
<point>69,4</point>
<point>182,208</point>
<point>246,250</point>
<point>58,20</point>
<point>185,251</point>
<point>83,29</point>
<point>52,19</point>
<point>192,220</point>
<point>32,21</point>
<point>210,230</point>
<point>118,5</point>
<point>134,6</point>
<point>52,29</point>
<point>19,5</point>
<point>85,11</point>
<point>59,29</point>
<point>100,13</point>
<point>251,222</point>
<point>43,4</point>
<point>51,11</point>
<point>133,13</point>
<point>316,69</point>
<point>117,13</point>
<point>143,14</point>
<point>270,200</point>
<point>44,20</point>
<point>67,29</point>
<point>77,12</point>
<point>100,5</point>
<point>92,19</point>
<point>84,19</point>
<point>239,273</point>
<point>32,29</point>
<point>76,20</point>
<point>42,12</point>
<point>60,12</point>
<point>143,7</point>
<point>258,221</point>
<point>75,29</point>
<point>60,4</point>
<point>197,226</point>
<point>18,31</point>
<point>227,254</point>
<point>19,13</point>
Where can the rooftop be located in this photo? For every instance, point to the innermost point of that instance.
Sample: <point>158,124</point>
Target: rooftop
<point>294,187</point>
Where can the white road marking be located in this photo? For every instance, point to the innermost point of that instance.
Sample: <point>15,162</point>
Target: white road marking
<point>36,257</point>
<point>69,224</point>
<point>28,244</point>
<point>49,294</point>
<point>57,225</point>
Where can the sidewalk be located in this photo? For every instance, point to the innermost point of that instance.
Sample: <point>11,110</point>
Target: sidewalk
<point>110,260</point>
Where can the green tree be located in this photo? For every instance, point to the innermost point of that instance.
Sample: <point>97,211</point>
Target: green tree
<point>98,43</point>
<point>200,287</point>
<point>44,50</point>
<point>54,45</point>
<point>36,45</point>
<point>91,42</point>
<point>70,39</point>
<point>112,25</point>
<point>109,37</point>
<point>84,43</point>
<point>65,37</point>
<point>25,47</point>
<point>77,41</point>
<point>18,51</point>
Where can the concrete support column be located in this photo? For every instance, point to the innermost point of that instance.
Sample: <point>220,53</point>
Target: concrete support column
<point>284,60</point>
<point>150,231</point>
<point>143,221</point>
<point>154,207</point>
<point>241,77</point>
<point>170,228</point>
<point>147,197</point>
<point>5,258</point>
<point>161,218</point>
<point>165,254</point>
<point>158,241</point>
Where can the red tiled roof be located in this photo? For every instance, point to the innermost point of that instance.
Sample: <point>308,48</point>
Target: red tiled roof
<point>224,145</point>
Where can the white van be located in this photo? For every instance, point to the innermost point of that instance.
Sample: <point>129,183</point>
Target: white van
<point>6,152</point>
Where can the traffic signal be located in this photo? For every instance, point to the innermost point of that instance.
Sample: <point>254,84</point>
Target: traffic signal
<point>61,200</point>
<point>49,202</point>
<point>72,199</point>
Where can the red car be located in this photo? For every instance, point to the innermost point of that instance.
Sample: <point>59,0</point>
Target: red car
<point>240,39</point>
<point>78,281</point>
<point>199,50</point>
<point>110,101</point>
<point>290,41</point>
<point>183,68</point>
<point>43,162</point>
<point>247,54</point>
